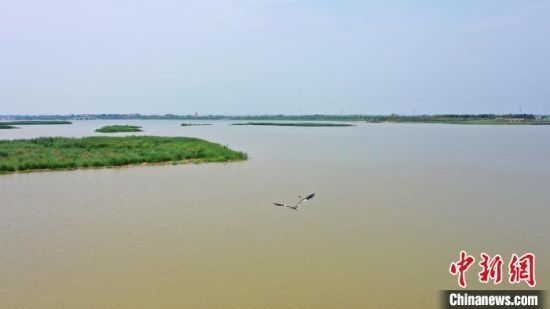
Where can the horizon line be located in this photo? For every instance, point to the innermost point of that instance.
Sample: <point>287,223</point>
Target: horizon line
<point>266,115</point>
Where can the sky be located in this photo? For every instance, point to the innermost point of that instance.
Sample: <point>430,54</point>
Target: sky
<point>274,56</point>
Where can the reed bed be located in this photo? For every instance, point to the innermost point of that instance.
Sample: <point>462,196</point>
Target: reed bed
<point>187,124</point>
<point>60,153</point>
<point>294,124</point>
<point>119,129</point>
<point>35,122</point>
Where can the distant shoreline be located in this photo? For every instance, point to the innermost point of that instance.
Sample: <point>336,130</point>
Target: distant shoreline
<point>472,119</point>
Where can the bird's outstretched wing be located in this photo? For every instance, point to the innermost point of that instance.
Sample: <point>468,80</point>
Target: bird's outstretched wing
<point>305,199</point>
<point>295,207</point>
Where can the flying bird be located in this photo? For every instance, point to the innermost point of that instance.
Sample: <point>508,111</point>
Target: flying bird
<point>295,206</point>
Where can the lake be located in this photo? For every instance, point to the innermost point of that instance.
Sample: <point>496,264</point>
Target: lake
<point>394,205</point>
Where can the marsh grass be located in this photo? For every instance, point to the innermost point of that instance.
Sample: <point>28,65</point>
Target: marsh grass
<point>35,122</point>
<point>295,124</point>
<point>119,129</point>
<point>5,126</point>
<point>60,153</point>
<point>195,124</point>
<point>482,119</point>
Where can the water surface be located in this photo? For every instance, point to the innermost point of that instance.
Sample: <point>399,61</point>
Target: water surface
<point>394,206</point>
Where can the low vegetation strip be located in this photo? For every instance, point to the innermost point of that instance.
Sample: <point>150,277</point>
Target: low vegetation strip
<point>5,126</point>
<point>35,122</point>
<point>294,124</point>
<point>119,129</point>
<point>488,119</point>
<point>194,124</point>
<point>59,153</point>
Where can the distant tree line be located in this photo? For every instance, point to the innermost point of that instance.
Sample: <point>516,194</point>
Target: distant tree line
<point>312,117</point>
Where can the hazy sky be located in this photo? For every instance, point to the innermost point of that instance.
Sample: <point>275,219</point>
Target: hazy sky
<point>274,56</point>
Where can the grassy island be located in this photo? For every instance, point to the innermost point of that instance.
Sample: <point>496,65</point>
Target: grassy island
<point>294,124</point>
<point>5,126</point>
<point>60,153</point>
<point>119,129</point>
<point>195,124</point>
<point>35,122</point>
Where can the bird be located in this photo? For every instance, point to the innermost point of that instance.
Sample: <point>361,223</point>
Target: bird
<point>295,206</point>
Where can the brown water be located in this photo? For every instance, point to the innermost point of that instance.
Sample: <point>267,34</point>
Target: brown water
<point>394,206</point>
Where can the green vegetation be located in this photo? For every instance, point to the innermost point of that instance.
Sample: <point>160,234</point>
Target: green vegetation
<point>195,124</point>
<point>58,153</point>
<point>12,124</point>
<point>294,124</point>
<point>510,119</point>
<point>506,119</point>
<point>35,122</point>
<point>119,129</point>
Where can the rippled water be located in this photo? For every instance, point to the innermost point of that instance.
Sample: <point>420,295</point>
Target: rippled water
<point>394,206</point>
